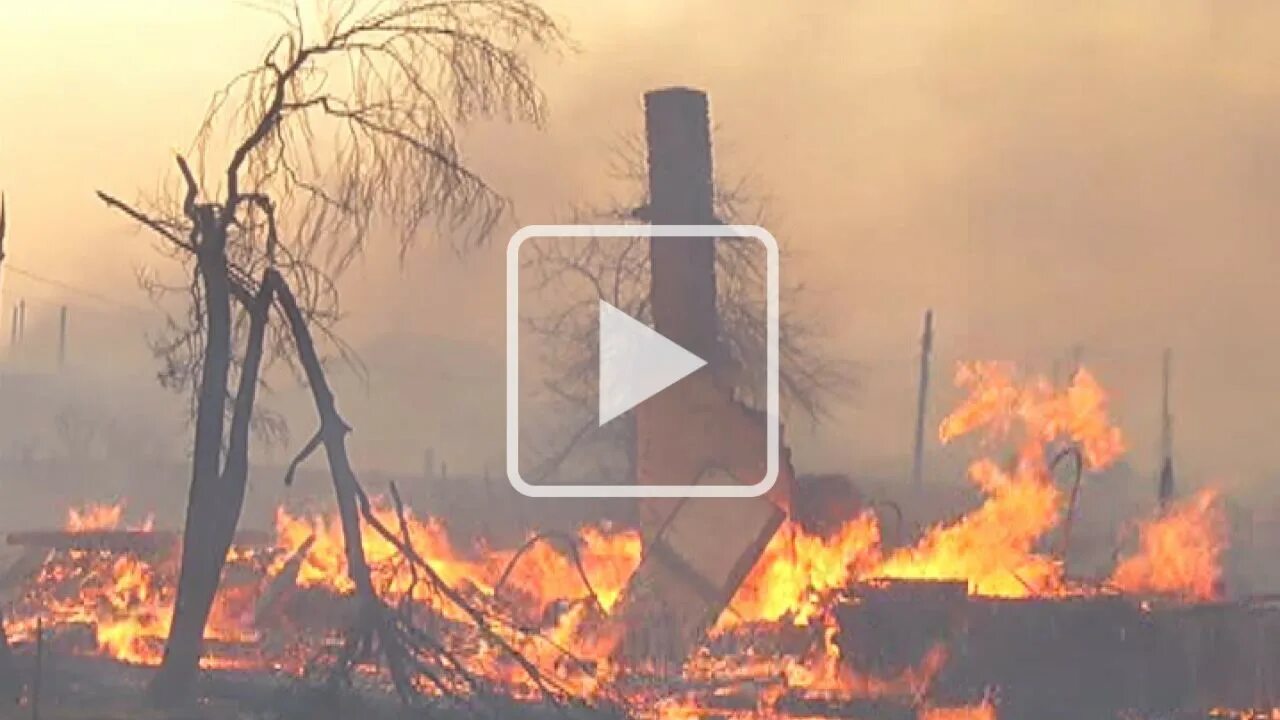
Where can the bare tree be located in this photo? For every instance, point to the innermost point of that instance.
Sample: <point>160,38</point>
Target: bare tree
<point>616,270</point>
<point>349,120</point>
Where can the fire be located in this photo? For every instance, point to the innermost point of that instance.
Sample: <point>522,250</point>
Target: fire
<point>564,585</point>
<point>799,570</point>
<point>984,710</point>
<point>540,575</point>
<point>94,517</point>
<point>117,597</point>
<point>131,619</point>
<point>825,672</point>
<point>124,599</point>
<point>993,547</point>
<point>1180,551</point>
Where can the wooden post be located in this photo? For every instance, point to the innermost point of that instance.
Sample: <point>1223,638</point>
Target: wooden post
<point>429,465</point>
<point>62,337</point>
<point>1166,486</point>
<point>922,400</point>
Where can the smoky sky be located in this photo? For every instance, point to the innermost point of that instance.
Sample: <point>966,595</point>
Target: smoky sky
<point>1042,175</point>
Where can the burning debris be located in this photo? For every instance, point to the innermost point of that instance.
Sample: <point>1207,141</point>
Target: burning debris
<point>1180,552</point>
<point>822,625</point>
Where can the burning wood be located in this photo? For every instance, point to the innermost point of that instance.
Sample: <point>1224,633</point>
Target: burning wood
<point>282,583</point>
<point>21,571</point>
<point>825,623</point>
<point>1180,551</point>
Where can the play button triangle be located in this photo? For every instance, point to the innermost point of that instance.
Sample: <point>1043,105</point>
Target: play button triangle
<point>636,362</point>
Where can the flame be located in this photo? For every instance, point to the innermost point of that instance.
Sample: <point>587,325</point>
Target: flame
<point>984,710</point>
<point>94,517</point>
<point>565,585</point>
<point>101,516</point>
<point>798,570</point>
<point>116,597</point>
<point>131,619</point>
<point>993,547</point>
<point>825,672</point>
<point>1180,552</point>
<point>126,601</point>
<point>542,575</point>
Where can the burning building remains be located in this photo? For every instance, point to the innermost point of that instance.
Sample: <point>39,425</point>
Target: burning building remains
<point>977,617</point>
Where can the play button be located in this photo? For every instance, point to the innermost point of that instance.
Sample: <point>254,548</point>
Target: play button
<point>636,362</point>
<point>661,382</point>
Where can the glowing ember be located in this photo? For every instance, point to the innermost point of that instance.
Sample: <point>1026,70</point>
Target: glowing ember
<point>1180,552</point>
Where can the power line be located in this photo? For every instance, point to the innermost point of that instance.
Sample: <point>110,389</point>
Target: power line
<point>37,277</point>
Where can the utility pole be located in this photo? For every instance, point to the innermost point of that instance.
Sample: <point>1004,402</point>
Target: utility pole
<point>1166,486</point>
<point>62,337</point>
<point>922,400</point>
<point>1077,361</point>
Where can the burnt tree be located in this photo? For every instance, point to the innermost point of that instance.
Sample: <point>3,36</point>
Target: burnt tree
<point>386,83</point>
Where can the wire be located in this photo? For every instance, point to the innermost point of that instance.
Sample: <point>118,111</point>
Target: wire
<point>37,277</point>
<point>570,544</point>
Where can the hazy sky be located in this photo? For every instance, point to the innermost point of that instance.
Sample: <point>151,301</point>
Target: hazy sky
<point>1041,174</point>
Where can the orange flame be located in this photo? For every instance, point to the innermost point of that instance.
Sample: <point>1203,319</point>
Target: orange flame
<point>798,570</point>
<point>94,517</point>
<point>993,547</point>
<point>127,600</point>
<point>984,710</point>
<point>543,575</point>
<point>1180,552</point>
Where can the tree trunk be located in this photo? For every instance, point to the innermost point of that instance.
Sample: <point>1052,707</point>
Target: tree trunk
<point>217,494</point>
<point>333,433</point>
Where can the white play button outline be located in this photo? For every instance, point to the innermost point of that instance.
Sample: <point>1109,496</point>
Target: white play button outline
<point>636,362</point>
<point>773,425</point>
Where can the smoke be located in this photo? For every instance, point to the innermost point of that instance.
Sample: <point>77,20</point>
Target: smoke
<point>1042,175</point>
